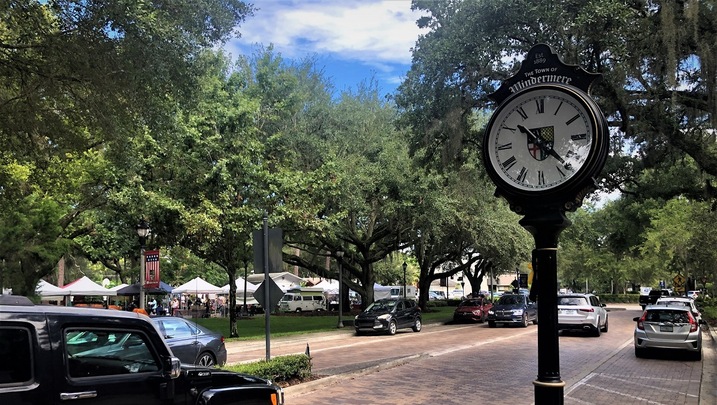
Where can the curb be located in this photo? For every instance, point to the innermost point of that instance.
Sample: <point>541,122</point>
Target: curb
<point>708,385</point>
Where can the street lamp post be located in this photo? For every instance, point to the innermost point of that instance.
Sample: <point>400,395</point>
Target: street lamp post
<point>143,231</point>
<point>404,279</point>
<point>339,256</point>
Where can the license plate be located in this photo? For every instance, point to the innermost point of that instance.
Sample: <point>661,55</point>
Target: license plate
<point>567,311</point>
<point>665,328</point>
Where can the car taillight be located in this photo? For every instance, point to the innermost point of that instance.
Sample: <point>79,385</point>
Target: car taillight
<point>693,323</point>
<point>640,323</point>
<point>222,339</point>
<point>586,310</point>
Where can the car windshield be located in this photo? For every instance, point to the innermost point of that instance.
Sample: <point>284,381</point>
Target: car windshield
<point>511,300</point>
<point>381,306</point>
<point>572,301</point>
<point>471,303</point>
<point>674,303</point>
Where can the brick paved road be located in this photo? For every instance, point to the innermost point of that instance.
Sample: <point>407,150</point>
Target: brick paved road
<point>455,364</point>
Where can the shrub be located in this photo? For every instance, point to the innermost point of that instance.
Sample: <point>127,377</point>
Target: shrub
<point>278,369</point>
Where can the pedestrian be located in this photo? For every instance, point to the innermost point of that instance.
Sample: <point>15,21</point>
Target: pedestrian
<point>175,306</point>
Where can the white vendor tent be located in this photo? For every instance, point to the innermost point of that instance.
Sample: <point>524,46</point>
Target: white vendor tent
<point>328,286</point>
<point>197,286</point>
<point>250,287</point>
<point>45,289</point>
<point>85,286</point>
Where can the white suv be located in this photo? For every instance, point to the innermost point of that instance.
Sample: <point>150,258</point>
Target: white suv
<point>582,312</point>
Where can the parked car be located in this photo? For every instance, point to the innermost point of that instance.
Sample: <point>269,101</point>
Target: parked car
<point>436,295</point>
<point>513,309</point>
<point>668,327</point>
<point>388,315</point>
<point>59,355</point>
<point>582,312</point>
<point>472,309</point>
<point>192,343</point>
<point>681,301</point>
<point>693,294</point>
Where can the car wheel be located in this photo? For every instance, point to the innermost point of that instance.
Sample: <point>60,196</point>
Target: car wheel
<point>417,325</point>
<point>697,356</point>
<point>604,328</point>
<point>491,324</point>
<point>640,353</point>
<point>205,359</point>
<point>535,321</point>
<point>298,310</point>
<point>525,321</point>
<point>392,328</point>
<point>596,330</point>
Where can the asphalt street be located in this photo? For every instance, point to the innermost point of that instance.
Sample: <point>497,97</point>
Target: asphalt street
<point>455,364</point>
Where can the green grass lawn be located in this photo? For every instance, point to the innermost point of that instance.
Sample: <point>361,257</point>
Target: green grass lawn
<point>290,324</point>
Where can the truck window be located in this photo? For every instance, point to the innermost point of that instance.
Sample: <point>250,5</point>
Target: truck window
<point>16,355</point>
<point>318,297</point>
<point>101,352</point>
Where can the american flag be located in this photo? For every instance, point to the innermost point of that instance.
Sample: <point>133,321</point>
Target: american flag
<point>151,269</point>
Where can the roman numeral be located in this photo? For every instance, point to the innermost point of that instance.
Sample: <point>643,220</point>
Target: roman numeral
<point>522,174</point>
<point>522,113</point>
<point>560,171</point>
<point>579,137</point>
<point>540,105</point>
<point>506,146</point>
<point>570,121</point>
<point>508,128</point>
<point>541,177</point>
<point>509,163</point>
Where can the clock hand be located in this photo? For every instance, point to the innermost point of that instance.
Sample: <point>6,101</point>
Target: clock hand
<point>542,145</point>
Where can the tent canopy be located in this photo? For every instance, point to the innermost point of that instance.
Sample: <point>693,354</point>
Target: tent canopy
<point>250,287</point>
<point>45,289</point>
<point>329,286</point>
<point>197,286</point>
<point>85,286</point>
<point>133,289</point>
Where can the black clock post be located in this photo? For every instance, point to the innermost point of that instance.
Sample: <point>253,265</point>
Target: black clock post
<point>543,148</point>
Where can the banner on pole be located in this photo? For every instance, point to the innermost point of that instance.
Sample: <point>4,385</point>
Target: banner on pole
<point>151,269</point>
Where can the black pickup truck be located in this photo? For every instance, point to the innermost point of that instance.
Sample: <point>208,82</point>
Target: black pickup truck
<point>652,296</point>
<point>65,355</point>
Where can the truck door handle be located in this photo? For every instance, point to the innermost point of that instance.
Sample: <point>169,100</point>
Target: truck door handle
<point>66,396</point>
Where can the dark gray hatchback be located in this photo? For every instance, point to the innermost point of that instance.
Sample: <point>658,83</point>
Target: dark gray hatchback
<point>389,315</point>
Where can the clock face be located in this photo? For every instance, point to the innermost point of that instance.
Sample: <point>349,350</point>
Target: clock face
<point>540,139</point>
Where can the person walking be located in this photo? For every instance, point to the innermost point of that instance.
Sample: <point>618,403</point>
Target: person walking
<point>175,306</point>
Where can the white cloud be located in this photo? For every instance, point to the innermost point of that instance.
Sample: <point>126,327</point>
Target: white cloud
<point>376,33</point>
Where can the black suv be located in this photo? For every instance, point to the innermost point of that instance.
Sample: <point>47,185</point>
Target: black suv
<point>513,309</point>
<point>389,315</point>
<point>61,355</point>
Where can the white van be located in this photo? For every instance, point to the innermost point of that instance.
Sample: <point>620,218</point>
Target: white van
<point>304,299</point>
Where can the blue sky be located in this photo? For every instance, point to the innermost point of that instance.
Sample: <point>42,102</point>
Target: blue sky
<point>352,41</point>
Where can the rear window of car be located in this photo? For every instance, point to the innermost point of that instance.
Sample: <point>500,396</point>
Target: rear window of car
<point>667,315</point>
<point>16,355</point>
